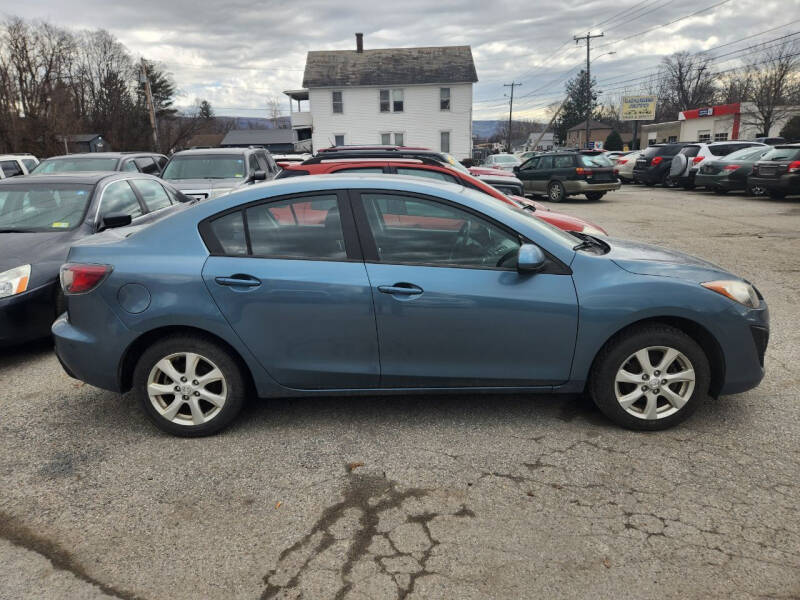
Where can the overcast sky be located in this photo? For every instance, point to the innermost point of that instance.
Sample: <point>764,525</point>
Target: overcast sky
<point>236,53</point>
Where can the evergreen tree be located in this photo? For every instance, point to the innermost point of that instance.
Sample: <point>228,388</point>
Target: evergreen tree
<point>791,131</point>
<point>206,112</point>
<point>581,99</point>
<point>613,141</point>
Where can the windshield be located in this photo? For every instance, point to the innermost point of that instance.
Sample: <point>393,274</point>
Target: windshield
<point>748,153</point>
<point>596,160</point>
<point>206,166</point>
<point>43,206</point>
<point>505,158</point>
<point>66,165</point>
<point>782,154</point>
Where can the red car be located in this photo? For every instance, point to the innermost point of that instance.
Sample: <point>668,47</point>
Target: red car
<point>425,167</point>
<point>490,171</point>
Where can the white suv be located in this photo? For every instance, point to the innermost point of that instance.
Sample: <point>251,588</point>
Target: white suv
<point>12,165</point>
<point>687,162</point>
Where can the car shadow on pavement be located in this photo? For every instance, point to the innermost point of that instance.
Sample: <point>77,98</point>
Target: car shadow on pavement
<point>14,356</point>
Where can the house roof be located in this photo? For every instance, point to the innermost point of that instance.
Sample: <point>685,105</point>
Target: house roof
<point>592,125</point>
<point>389,66</point>
<point>257,137</point>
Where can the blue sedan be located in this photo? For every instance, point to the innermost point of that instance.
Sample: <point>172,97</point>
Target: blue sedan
<point>347,284</point>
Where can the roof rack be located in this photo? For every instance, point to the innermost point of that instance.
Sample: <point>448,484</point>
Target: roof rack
<point>426,156</point>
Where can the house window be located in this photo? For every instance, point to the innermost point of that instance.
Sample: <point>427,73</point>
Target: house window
<point>397,101</point>
<point>386,139</point>
<point>336,97</point>
<point>704,135</point>
<point>444,137</point>
<point>444,98</point>
<point>338,139</point>
<point>672,139</point>
<point>721,137</point>
<point>399,139</point>
<point>384,101</point>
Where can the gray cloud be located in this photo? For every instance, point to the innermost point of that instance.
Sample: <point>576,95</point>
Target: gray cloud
<point>235,53</point>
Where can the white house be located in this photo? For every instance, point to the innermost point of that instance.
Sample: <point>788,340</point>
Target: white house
<point>403,96</point>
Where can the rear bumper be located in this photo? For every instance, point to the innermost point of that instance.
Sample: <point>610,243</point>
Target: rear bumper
<point>649,175</point>
<point>581,186</point>
<point>27,316</point>
<point>788,182</point>
<point>719,181</point>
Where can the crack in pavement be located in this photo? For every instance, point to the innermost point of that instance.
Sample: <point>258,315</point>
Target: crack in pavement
<point>370,496</point>
<point>20,535</point>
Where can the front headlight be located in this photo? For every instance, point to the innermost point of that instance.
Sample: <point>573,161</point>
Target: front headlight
<point>589,230</point>
<point>738,291</point>
<point>14,281</point>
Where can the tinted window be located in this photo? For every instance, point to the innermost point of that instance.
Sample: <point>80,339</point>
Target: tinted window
<point>562,162</point>
<point>726,149</point>
<point>546,162</point>
<point>10,168</point>
<point>155,198</point>
<point>307,227</point>
<point>229,231</point>
<point>531,164</point>
<point>118,197</point>
<point>29,163</point>
<point>782,154</point>
<point>206,166</point>
<point>748,153</point>
<point>595,160</point>
<point>416,230</point>
<point>147,165</point>
<point>430,174</point>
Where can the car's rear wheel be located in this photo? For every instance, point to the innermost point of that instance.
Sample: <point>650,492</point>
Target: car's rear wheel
<point>556,191</point>
<point>189,386</point>
<point>755,190</point>
<point>595,195</point>
<point>650,378</point>
<point>668,182</point>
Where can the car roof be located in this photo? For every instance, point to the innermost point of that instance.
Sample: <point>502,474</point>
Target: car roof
<point>329,156</point>
<point>201,151</point>
<point>375,147</point>
<point>77,177</point>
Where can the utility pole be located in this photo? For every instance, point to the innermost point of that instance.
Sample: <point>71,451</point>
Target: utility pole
<point>512,85</point>
<point>143,78</point>
<point>588,37</point>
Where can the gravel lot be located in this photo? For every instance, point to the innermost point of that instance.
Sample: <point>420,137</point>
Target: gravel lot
<point>457,497</point>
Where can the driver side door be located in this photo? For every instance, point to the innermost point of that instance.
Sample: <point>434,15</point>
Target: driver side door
<point>447,315</point>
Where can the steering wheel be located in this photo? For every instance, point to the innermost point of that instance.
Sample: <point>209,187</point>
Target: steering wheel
<point>462,239</point>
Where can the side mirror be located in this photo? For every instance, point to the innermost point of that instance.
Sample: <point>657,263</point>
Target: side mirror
<point>259,175</point>
<point>116,219</point>
<point>530,259</point>
<point>516,168</point>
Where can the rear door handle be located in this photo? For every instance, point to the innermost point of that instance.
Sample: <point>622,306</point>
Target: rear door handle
<point>401,289</point>
<point>239,280</point>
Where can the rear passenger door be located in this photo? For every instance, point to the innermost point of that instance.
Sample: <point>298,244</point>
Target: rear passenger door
<point>288,276</point>
<point>563,167</point>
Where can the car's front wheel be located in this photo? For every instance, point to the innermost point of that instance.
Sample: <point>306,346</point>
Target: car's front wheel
<point>650,377</point>
<point>189,386</point>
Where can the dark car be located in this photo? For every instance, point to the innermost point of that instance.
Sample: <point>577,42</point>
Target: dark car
<point>206,173</point>
<point>654,166</point>
<point>134,162</point>
<point>41,216</point>
<point>562,174</point>
<point>728,173</point>
<point>778,171</point>
<point>686,164</point>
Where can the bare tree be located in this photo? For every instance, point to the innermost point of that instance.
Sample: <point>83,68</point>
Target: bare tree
<point>275,111</point>
<point>685,82</point>
<point>773,75</point>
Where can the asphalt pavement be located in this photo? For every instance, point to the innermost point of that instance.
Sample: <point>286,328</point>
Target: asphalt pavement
<point>467,497</point>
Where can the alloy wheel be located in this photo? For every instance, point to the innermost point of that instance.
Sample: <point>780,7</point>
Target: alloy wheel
<point>654,382</point>
<point>555,193</point>
<point>187,388</point>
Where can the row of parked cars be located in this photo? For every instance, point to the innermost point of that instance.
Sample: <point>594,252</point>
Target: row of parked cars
<point>358,270</point>
<point>753,167</point>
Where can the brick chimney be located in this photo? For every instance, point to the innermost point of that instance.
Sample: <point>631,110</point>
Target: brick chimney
<point>359,43</point>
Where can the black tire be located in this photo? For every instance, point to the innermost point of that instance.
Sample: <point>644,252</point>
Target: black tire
<point>556,191</point>
<point>233,378</point>
<point>613,357</point>
<point>668,182</point>
<point>777,195</point>
<point>594,195</point>
<point>688,186</point>
<point>649,183</point>
<point>755,191</point>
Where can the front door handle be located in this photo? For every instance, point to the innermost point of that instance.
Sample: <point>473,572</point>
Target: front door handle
<point>401,289</point>
<point>239,280</point>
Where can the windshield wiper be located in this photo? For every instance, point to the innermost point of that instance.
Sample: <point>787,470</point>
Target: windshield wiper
<point>15,230</point>
<point>588,242</point>
<point>529,207</point>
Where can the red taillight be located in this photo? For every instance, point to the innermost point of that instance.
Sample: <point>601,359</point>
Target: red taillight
<point>78,278</point>
<point>794,167</point>
<point>582,171</point>
<point>656,160</point>
<point>622,161</point>
<point>616,171</point>
<point>730,167</point>
<point>697,159</point>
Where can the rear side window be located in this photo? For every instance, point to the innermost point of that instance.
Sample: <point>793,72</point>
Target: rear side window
<point>10,168</point>
<point>305,227</point>
<point>429,173</point>
<point>155,198</point>
<point>669,150</point>
<point>131,166</point>
<point>562,162</point>
<point>690,151</point>
<point>782,154</point>
<point>29,163</point>
<point>146,165</point>
<point>229,232</point>
<point>726,149</point>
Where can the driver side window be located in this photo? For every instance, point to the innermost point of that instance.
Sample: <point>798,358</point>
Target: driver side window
<point>413,230</point>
